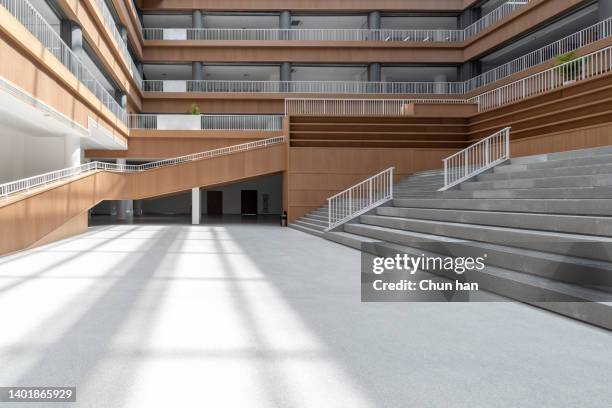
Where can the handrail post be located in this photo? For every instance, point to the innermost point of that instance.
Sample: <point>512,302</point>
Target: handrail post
<point>465,162</point>
<point>487,156</point>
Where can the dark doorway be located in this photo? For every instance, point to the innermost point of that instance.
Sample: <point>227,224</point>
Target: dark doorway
<point>214,202</point>
<point>249,202</point>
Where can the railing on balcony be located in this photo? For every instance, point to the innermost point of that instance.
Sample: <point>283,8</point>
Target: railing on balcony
<point>493,17</point>
<point>475,159</point>
<point>109,21</point>
<point>356,107</point>
<point>31,19</point>
<point>580,39</point>
<point>332,87</point>
<point>8,189</point>
<point>585,67</point>
<point>360,198</point>
<point>206,122</point>
<point>296,34</point>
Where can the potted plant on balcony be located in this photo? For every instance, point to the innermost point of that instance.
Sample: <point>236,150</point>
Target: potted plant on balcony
<point>568,68</point>
<point>195,109</point>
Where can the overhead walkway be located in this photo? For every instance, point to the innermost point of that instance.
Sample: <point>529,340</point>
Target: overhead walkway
<point>34,208</point>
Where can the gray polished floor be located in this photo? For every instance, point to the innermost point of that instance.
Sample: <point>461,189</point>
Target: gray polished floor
<point>253,315</point>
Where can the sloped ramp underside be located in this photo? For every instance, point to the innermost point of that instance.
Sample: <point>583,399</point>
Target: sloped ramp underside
<point>28,218</point>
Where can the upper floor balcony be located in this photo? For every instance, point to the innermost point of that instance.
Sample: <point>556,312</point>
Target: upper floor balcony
<point>320,28</point>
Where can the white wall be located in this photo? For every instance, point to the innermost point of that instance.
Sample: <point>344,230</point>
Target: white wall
<point>24,156</point>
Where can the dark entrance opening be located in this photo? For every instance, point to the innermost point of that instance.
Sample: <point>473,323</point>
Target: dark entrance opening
<point>214,202</point>
<point>248,202</point>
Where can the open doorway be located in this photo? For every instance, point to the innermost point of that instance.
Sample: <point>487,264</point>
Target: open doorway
<point>214,202</point>
<point>248,202</point>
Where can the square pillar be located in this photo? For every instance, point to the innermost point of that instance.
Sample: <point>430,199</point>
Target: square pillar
<point>125,208</point>
<point>195,206</point>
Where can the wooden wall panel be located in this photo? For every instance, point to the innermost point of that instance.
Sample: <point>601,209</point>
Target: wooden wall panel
<point>28,218</point>
<point>158,148</point>
<point>317,173</point>
<point>28,65</point>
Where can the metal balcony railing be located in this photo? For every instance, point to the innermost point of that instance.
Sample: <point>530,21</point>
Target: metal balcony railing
<point>493,17</point>
<point>585,67</point>
<point>582,38</point>
<point>206,122</point>
<point>31,19</point>
<point>109,21</point>
<point>356,107</point>
<point>8,189</point>
<point>360,198</point>
<point>475,159</point>
<point>296,34</point>
<point>335,87</point>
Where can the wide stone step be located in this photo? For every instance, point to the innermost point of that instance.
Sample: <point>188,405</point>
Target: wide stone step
<point>547,172</point>
<point>307,230</point>
<point>315,221</point>
<point>314,216</point>
<point>585,246</point>
<point>569,269</point>
<point>601,207</point>
<point>597,180</point>
<point>584,304</point>
<point>533,193</point>
<point>571,154</point>
<point>348,239</point>
<point>305,223</point>
<point>543,222</point>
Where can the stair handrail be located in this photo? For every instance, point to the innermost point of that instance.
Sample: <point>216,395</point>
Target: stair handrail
<point>476,158</point>
<point>359,198</point>
<point>25,184</point>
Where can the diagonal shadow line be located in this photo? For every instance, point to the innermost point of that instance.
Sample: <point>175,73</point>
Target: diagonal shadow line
<point>270,379</point>
<point>47,269</point>
<point>6,259</point>
<point>92,334</point>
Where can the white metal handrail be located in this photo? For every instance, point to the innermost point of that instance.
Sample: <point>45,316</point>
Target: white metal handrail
<point>584,37</point>
<point>585,67</point>
<point>356,107</point>
<point>13,187</point>
<point>297,34</point>
<point>208,122</point>
<point>588,66</point>
<point>31,19</point>
<point>579,39</point>
<point>493,17</point>
<point>109,21</point>
<point>360,198</point>
<point>475,159</point>
<point>335,87</point>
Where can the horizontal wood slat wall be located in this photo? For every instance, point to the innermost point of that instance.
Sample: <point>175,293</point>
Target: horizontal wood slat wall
<point>316,173</point>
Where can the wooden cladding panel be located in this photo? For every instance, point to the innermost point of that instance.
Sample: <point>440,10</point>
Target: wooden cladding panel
<point>27,219</point>
<point>316,173</point>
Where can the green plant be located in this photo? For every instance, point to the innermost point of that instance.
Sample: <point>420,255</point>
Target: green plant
<point>195,109</point>
<point>568,67</point>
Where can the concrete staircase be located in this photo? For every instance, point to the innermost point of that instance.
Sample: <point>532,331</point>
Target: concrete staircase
<point>545,223</point>
<point>313,223</point>
<point>422,184</point>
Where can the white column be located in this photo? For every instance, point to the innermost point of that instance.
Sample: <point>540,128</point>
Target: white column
<point>195,206</point>
<point>125,208</point>
<point>72,151</point>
